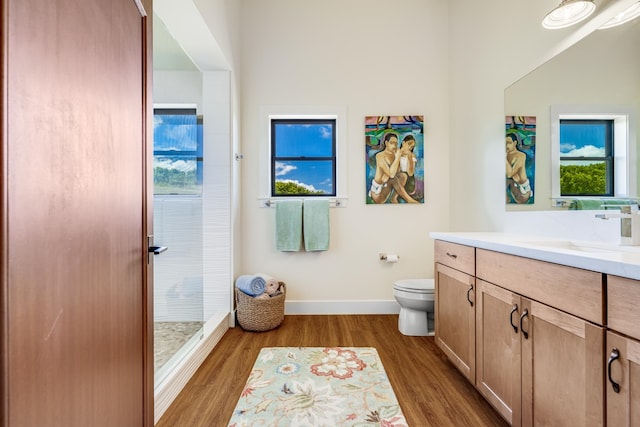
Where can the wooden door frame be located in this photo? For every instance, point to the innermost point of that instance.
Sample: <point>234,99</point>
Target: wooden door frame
<point>4,328</point>
<point>146,7</point>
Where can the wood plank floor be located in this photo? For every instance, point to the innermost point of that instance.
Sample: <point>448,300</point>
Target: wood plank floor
<point>430,390</point>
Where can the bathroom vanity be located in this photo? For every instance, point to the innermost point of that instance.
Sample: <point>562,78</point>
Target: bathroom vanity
<point>546,329</point>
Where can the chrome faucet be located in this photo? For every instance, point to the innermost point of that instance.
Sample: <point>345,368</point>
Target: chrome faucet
<point>629,224</point>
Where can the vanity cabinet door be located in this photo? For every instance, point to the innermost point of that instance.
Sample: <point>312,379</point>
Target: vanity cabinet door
<point>562,368</point>
<point>498,349</point>
<point>623,370</point>
<point>455,318</point>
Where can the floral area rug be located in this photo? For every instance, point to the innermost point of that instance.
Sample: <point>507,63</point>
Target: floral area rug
<point>318,386</point>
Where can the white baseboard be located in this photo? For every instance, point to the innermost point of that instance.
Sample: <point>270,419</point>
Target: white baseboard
<point>342,307</point>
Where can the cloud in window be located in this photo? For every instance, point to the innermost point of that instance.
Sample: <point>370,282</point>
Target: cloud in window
<point>570,150</point>
<point>326,132</point>
<point>181,165</point>
<point>284,168</point>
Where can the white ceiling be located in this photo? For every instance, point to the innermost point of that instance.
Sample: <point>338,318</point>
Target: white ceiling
<point>180,26</point>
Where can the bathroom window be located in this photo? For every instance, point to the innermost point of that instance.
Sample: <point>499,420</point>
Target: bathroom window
<point>177,151</point>
<point>303,157</point>
<point>592,154</point>
<point>586,158</point>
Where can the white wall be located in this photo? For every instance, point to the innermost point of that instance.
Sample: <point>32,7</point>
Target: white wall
<point>371,57</point>
<point>449,61</point>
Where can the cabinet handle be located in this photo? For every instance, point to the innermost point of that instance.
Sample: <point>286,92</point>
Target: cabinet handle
<point>468,292</point>
<point>450,255</point>
<point>525,313</point>
<point>513,310</point>
<point>615,355</point>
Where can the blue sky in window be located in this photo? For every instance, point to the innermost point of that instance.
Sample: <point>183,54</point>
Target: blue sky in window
<point>177,133</point>
<point>305,140</point>
<point>582,140</point>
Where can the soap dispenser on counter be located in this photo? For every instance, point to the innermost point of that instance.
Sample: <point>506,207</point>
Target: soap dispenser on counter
<point>629,224</point>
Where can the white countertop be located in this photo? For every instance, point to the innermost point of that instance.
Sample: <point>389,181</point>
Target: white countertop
<point>601,257</point>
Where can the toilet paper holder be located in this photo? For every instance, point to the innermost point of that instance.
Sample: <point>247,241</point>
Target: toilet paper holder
<point>383,256</point>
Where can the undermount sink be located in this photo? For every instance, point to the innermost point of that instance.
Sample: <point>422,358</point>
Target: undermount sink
<point>577,246</point>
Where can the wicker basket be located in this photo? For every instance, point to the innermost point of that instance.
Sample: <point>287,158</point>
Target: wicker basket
<point>260,314</point>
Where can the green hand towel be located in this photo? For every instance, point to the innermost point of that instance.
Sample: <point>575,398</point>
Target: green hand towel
<point>586,204</point>
<point>598,204</point>
<point>288,225</point>
<point>316,225</point>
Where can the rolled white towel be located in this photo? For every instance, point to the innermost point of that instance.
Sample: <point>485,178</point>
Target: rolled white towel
<point>271,284</point>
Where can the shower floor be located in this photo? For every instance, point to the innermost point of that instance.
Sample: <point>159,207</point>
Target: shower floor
<point>169,337</point>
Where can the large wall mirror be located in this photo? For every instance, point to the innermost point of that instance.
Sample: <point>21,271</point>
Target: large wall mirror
<point>599,73</point>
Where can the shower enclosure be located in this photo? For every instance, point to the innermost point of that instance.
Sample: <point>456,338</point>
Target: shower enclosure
<point>178,225</point>
<point>192,212</point>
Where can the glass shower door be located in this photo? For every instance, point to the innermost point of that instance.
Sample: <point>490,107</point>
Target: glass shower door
<point>177,217</point>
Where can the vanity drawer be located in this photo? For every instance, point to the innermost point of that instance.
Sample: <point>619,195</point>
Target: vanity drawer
<point>460,257</point>
<point>622,299</point>
<point>572,290</point>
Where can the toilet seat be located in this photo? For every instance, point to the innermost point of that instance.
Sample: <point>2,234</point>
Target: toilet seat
<point>421,286</point>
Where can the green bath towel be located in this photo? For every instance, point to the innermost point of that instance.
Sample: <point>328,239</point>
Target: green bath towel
<point>288,225</point>
<point>316,225</point>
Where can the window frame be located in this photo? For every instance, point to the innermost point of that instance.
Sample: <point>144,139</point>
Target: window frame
<point>268,112</point>
<point>273,123</point>
<point>608,159</point>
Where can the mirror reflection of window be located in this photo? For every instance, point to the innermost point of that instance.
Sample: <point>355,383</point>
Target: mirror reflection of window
<point>586,158</point>
<point>593,151</point>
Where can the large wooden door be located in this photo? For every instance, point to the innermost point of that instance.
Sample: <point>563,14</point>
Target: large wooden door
<point>73,214</point>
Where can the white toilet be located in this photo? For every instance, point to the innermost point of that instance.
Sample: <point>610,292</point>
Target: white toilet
<point>416,298</point>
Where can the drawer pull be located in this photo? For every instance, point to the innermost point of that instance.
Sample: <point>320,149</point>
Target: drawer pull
<point>513,310</point>
<point>525,313</point>
<point>615,355</point>
<point>450,255</point>
<point>468,292</point>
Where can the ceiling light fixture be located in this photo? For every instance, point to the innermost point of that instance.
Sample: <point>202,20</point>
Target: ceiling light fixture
<point>568,13</point>
<point>630,13</point>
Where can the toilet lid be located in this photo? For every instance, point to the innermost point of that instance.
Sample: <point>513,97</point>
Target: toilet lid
<point>426,286</point>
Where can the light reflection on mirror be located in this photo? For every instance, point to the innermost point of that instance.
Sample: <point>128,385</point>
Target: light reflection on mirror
<point>601,70</point>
